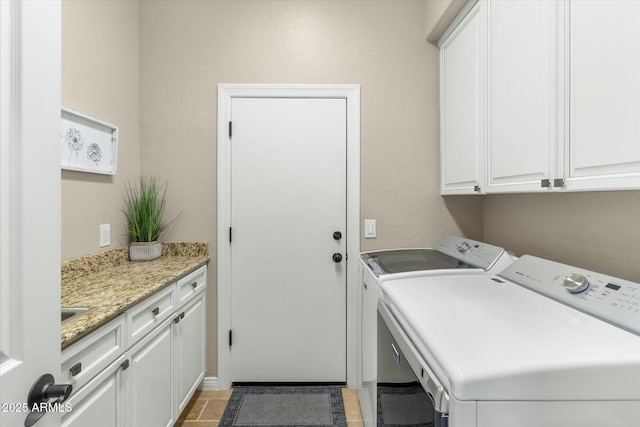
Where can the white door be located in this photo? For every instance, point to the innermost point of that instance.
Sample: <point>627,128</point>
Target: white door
<point>29,203</point>
<point>288,198</point>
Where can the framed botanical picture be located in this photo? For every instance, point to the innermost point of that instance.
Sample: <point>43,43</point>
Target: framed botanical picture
<point>87,144</point>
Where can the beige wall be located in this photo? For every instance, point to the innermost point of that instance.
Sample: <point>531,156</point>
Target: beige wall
<point>100,78</point>
<point>187,48</point>
<point>597,231</point>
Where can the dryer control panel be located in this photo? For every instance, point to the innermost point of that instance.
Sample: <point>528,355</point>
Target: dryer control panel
<point>614,300</point>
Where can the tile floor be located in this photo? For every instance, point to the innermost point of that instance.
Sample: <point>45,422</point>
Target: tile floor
<point>207,406</point>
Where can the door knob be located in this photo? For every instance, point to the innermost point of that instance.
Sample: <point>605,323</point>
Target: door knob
<point>337,257</point>
<point>42,390</point>
<point>337,235</point>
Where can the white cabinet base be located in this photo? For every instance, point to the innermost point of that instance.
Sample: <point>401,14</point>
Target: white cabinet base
<point>150,381</point>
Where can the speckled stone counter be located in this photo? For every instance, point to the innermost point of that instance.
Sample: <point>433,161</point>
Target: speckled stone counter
<point>111,283</point>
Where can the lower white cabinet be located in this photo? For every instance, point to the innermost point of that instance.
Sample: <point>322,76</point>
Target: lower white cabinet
<point>100,402</point>
<point>149,380</point>
<point>149,383</point>
<point>189,350</point>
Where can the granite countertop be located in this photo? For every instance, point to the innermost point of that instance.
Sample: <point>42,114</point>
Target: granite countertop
<point>110,283</point>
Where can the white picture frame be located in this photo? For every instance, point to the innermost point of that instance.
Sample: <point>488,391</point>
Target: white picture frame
<point>87,144</point>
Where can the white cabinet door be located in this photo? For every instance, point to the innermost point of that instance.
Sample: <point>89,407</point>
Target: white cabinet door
<point>100,402</point>
<point>189,348</point>
<point>603,70</point>
<point>463,72</point>
<point>149,384</point>
<point>522,117</point>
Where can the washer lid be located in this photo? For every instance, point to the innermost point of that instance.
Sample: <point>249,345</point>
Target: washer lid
<point>451,253</point>
<point>494,340</point>
<point>408,260</point>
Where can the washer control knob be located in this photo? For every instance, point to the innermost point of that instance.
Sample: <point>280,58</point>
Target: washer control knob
<point>463,248</point>
<point>575,283</point>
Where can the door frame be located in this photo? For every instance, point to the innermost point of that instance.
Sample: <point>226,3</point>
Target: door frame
<point>226,93</point>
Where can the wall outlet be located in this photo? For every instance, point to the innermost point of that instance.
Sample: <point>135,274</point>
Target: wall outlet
<point>105,235</point>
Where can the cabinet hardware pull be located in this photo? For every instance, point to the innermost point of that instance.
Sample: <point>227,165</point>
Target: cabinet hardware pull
<point>545,183</point>
<point>476,188</point>
<point>194,285</point>
<point>76,369</point>
<point>125,365</point>
<point>156,311</point>
<point>182,315</point>
<point>176,320</point>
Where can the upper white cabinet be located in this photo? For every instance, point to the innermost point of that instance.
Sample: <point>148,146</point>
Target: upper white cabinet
<point>522,94</point>
<point>602,70</point>
<point>560,97</point>
<point>462,82</point>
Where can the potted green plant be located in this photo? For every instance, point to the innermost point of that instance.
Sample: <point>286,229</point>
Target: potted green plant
<point>144,208</point>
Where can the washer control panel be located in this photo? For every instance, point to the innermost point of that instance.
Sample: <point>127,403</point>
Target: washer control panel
<point>477,254</point>
<point>614,300</point>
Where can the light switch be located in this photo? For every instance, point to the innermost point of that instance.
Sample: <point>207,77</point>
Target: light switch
<point>369,228</point>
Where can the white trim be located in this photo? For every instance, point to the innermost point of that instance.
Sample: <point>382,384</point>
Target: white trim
<point>209,383</point>
<point>456,21</point>
<point>9,173</point>
<point>351,93</point>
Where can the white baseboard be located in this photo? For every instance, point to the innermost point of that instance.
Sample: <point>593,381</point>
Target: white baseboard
<point>209,383</point>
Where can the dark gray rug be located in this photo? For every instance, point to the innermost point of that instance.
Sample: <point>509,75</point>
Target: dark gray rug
<point>406,405</point>
<point>285,406</point>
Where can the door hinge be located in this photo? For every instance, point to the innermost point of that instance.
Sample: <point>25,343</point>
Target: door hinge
<point>558,182</point>
<point>545,183</point>
<point>230,338</point>
<point>230,234</point>
<point>230,129</point>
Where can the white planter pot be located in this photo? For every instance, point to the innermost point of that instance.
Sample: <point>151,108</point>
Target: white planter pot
<point>145,251</point>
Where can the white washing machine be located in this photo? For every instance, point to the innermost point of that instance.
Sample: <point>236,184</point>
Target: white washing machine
<point>542,344</point>
<point>453,255</point>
